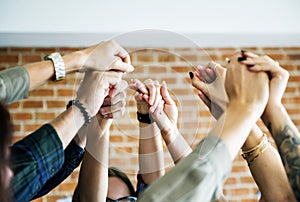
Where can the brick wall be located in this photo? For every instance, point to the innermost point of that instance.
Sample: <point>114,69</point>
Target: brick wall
<point>171,65</point>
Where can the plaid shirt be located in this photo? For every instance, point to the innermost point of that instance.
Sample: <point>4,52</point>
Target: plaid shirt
<point>39,163</point>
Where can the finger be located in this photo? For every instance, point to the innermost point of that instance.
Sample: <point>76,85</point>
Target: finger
<point>165,94</point>
<point>200,85</point>
<point>113,108</point>
<point>201,70</point>
<point>121,66</point>
<point>138,86</point>
<point>120,87</point>
<point>157,96</point>
<point>106,101</point>
<point>248,54</point>
<point>124,55</point>
<point>152,90</point>
<point>117,98</point>
<point>204,99</point>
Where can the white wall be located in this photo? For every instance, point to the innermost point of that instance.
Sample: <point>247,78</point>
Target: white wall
<point>197,18</point>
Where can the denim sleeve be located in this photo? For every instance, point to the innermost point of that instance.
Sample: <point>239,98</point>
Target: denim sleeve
<point>14,84</point>
<point>73,157</point>
<point>35,159</point>
<point>140,186</point>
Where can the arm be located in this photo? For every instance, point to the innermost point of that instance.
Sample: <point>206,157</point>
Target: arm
<point>93,172</point>
<point>268,163</point>
<point>200,175</point>
<point>94,169</point>
<point>151,163</point>
<point>108,55</point>
<point>275,117</point>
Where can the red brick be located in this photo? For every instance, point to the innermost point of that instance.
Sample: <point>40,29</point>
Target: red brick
<point>33,104</point>
<point>41,92</point>
<point>8,58</point>
<point>182,68</point>
<point>56,104</point>
<point>31,58</point>
<point>45,116</point>
<point>21,50</point>
<point>21,116</point>
<point>66,92</point>
<point>293,56</point>
<point>31,127</point>
<point>166,57</point>
<point>13,105</point>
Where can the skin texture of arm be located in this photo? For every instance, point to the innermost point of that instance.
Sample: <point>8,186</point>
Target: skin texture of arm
<point>105,56</point>
<point>94,169</point>
<point>151,162</point>
<point>276,118</point>
<point>91,93</point>
<point>268,163</point>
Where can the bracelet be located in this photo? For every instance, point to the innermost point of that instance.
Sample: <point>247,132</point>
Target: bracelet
<point>144,118</point>
<point>59,66</point>
<point>251,154</point>
<point>77,103</point>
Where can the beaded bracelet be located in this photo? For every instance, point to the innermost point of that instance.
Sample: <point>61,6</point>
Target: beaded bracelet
<point>77,103</point>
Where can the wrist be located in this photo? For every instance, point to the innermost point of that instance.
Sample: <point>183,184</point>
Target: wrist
<point>142,107</point>
<point>73,61</point>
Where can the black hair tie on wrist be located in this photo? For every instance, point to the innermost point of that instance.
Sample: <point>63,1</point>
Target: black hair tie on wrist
<point>144,118</point>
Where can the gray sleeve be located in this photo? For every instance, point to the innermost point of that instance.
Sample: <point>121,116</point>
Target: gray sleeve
<point>14,84</point>
<point>198,177</point>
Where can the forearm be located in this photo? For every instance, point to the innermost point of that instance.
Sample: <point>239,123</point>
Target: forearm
<point>151,158</point>
<point>267,165</point>
<point>67,124</point>
<point>234,126</point>
<point>94,169</point>
<point>42,72</point>
<point>177,145</point>
<point>287,139</point>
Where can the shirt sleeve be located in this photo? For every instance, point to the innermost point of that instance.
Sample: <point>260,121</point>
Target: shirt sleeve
<point>14,84</point>
<point>198,177</point>
<point>35,159</point>
<point>140,186</point>
<point>73,157</point>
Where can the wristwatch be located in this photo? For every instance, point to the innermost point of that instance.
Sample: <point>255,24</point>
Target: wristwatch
<point>59,66</point>
<point>144,118</point>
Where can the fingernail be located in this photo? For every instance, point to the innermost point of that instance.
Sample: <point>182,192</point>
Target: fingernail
<point>191,75</point>
<point>249,66</point>
<point>242,58</point>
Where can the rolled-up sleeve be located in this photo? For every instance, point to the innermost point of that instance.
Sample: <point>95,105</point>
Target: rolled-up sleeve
<point>36,159</point>
<point>198,177</point>
<point>14,84</point>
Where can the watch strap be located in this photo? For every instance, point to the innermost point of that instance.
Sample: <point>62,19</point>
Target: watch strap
<point>144,118</point>
<point>59,66</point>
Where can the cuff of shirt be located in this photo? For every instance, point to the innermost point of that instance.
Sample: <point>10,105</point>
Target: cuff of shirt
<point>214,149</point>
<point>14,84</point>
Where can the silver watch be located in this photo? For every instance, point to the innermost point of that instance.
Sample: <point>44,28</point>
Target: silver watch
<point>59,66</point>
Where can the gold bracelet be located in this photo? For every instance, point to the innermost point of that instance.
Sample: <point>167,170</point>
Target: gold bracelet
<point>256,154</point>
<point>247,153</point>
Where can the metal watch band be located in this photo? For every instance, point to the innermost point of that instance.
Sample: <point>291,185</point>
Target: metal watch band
<point>59,66</point>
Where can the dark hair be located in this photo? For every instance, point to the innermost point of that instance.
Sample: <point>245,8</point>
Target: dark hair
<point>6,130</point>
<point>115,172</point>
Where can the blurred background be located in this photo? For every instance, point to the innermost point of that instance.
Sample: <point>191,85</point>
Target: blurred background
<point>166,40</point>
